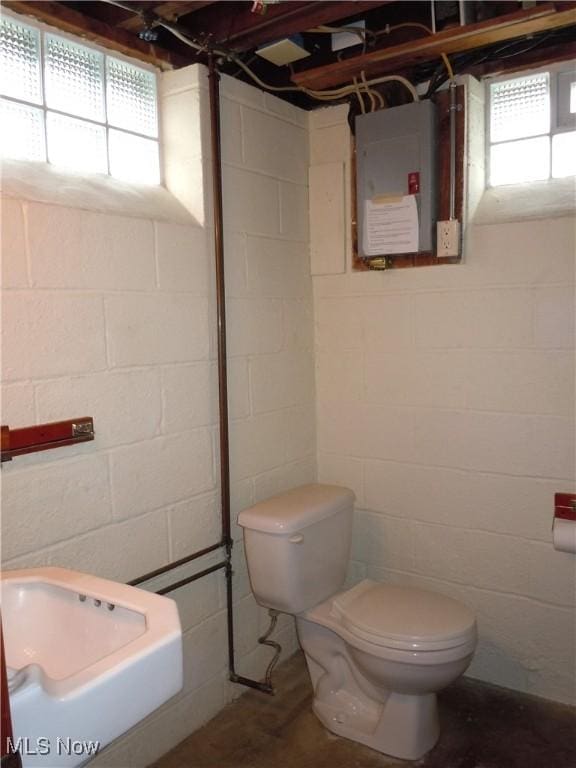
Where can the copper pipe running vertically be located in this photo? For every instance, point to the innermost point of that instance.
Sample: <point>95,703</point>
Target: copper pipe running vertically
<point>214,91</point>
<point>226,540</point>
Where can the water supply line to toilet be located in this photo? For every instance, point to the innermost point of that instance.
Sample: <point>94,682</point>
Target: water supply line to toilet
<point>263,640</point>
<point>226,542</point>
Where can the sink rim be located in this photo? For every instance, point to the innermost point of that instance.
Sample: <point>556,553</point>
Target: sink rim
<point>162,622</point>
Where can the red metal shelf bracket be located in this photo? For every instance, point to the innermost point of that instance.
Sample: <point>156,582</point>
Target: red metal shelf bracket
<point>43,437</point>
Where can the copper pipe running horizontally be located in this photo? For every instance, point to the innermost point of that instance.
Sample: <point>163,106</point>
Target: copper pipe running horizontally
<point>175,564</point>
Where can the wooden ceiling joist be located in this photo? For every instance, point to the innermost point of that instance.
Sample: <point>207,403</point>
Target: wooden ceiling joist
<point>242,30</point>
<point>539,57</point>
<point>171,11</point>
<point>394,59</point>
<point>97,31</point>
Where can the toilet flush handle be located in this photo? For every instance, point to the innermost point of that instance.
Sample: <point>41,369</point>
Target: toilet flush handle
<point>296,539</point>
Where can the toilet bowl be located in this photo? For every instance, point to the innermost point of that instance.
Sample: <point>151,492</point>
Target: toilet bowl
<point>375,677</point>
<point>376,653</point>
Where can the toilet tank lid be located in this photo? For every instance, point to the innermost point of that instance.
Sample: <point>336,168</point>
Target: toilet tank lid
<point>291,511</point>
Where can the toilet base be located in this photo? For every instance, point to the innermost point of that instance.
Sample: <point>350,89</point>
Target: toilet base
<point>404,726</point>
<point>380,696</point>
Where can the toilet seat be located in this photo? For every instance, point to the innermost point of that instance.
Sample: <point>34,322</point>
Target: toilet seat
<point>403,618</point>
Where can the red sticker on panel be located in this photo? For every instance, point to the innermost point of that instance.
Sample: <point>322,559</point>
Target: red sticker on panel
<point>413,183</point>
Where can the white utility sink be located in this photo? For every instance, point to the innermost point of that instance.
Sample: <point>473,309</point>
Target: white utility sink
<point>87,659</point>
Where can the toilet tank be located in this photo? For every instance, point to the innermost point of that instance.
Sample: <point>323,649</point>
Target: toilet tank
<point>297,546</point>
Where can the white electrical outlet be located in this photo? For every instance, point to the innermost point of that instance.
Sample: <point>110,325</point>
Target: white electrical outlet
<point>448,238</point>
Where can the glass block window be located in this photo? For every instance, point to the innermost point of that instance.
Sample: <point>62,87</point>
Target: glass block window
<point>564,154</point>
<point>132,158</point>
<point>520,107</point>
<point>530,118</point>
<point>73,78</point>
<point>76,144</point>
<point>22,132</point>
<point>131,97</point>
<point>75,106</point>
<point>20,61</point>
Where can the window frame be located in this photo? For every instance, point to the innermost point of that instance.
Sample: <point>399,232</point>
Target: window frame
<point>559,118</point>
<point>564,80</point>
<point>46,29</point>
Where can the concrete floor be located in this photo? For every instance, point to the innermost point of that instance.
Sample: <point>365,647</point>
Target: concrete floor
<point>481,727</point>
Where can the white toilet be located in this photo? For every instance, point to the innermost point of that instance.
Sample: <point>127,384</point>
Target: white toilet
<point>376,653</point>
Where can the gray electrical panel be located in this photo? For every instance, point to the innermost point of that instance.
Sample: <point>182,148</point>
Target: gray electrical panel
<point>395,156</point>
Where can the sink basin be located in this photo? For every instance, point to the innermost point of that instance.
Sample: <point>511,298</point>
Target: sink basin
<point>87,659</point>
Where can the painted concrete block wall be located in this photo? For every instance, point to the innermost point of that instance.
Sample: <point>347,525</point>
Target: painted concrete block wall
<point>113,316</point>
<point>445,399</point>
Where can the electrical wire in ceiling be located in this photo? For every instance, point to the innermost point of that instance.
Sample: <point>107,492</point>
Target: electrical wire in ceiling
<point>358,89</point>
<point>334,94</point>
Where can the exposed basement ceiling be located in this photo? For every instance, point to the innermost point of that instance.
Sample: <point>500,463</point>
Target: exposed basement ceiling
<point>492,36</point>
